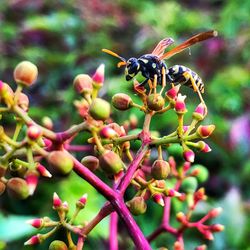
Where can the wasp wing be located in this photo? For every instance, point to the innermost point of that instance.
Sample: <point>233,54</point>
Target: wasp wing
<point>194,39</point>
<point>161,46</point>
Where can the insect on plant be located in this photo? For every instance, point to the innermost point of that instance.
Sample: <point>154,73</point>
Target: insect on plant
<point>153,67</point>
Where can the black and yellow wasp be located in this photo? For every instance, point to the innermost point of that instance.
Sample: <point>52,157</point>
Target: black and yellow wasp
<point>151,65</point>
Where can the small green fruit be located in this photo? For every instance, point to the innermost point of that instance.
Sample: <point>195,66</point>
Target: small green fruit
<point>58,245</point>
<point>155,102</point>
<point>137,205</point>
<point>160,170</point>
<point>61,162</point>
<point>18,188</point>
<point>189,184</point>
<point>110,162</point>
<point>202,172</point>
<point>91,162</point>
<point>99,109</point>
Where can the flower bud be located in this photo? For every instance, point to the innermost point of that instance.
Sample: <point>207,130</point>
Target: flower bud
<point>61,162</point>
<point>58,245</point>
<point>214,212</point>
<point>122,101</point>
<point>34,132</point>
<point>17,188</point>
<point>189,184</point>
<point>23,101</point>
<point>203,147</point>
<point>133,120</point>
<point>57,203</point>
<point>200,112</point>
<point>82,107</point>
<point>34,240</point>
<point>110,162</point>
<point>181,217</point>
<point>180,106</point>
<point>83,84</point>
<point>205,131</point>
<point>172,93</point>
<point>65,207</point>
<point>90,162</point>
<point>208,235</point>
<point>2,187</point>
<point>160,169</point>
<point>98,77</point>
<point>99,109</point>
<point>201,247</point>
<point>31,178</point>
<point>25,73</point>
<point>108,132</point>
<point>155,102</point>
<point>6,93</point>
<point>37,223</point>
<point>201,172</point>
<point>117,128</point>
<point>2,170</point>
<point>47,122</point>
<point>178,246</point>
<point>188,155</point>
<point>157,197</point>
<point>217,228</point>
<point>82,201</point>
<point>200,195</point>
<point>137,205</point>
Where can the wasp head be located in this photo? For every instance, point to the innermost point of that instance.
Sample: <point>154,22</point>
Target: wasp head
<point>132,68</point>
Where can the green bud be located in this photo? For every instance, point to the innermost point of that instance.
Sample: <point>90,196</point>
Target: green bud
<point>99,109</point>
<point>202,173</point>
<point>155,102</point>
<point>160,170</point>
<point>91,162</point>
<point>122,101</point>
<point>2,187</point>
<point>189,184</point>
<point>110,162</point>
<point>17,188</point>
<point>58,245</point>
<point>137,205</point>
<point>61,162</point>
<point>135,144</point>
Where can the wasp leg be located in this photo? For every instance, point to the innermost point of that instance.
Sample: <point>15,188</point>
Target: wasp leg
<point>155,83</point>
<point>163,83</point>
<point>188,76</point>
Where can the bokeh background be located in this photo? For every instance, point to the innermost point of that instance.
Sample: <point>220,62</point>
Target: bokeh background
<point>64,38</point>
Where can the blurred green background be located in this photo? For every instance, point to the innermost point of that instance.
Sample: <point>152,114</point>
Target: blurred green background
<point>64,38</point>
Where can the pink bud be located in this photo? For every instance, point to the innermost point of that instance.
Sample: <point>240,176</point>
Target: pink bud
<point>158,199</point>
<point>200,112</point>
<point>201,247</point>
<point>47,142</point>
<point>43,171</point>
<point>31,178</point>
<point>34,240</point>
<point>37,223</point>
<point>83,199</point>
<point>98,77</point>
<point>172,93</point>
<point>56,201</point>
<point>181,217</point>
<point>208,235</point>
<point>180,106</point>
<point>189,155</point>
<point>185,128</point>
<point>65,206</point>
<point>205,131</point>
<point>217,228</point>
<point>108,132</point>
<point>215,212</point>
<point>172,193</point>
<point>204,147</point>
<point>186,166</point>
<point>34,132</point>
<point>23,101</point>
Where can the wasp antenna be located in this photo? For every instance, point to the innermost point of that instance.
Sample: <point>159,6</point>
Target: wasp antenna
<point>113,54</point>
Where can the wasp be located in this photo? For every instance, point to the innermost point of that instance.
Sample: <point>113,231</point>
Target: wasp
<point>153,66</point>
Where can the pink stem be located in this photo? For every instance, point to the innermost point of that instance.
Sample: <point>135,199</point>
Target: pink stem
<point>78,148</point>
<point>113,232</point>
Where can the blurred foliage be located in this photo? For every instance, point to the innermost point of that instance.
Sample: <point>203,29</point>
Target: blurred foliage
<point>64,38</point>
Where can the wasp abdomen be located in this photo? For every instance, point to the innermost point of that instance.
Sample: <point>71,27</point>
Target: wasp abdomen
<point>183,75</point>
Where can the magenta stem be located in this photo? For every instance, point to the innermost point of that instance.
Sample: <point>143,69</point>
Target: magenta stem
<point>78,148</point>
<point>113,231</point>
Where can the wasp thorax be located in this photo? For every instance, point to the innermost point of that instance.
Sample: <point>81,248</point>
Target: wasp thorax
<point>155,102</point>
